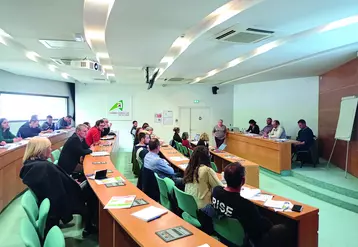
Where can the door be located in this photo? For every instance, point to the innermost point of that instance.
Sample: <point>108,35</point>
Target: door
<point>199,121</point>
<point>184,118</point>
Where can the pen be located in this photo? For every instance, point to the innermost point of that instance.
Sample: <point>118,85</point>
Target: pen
<point>154,218</point>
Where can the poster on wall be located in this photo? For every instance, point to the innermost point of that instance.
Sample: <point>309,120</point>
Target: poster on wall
<point>120,108</point>
<point>157,117</point>
<point>168,118</point>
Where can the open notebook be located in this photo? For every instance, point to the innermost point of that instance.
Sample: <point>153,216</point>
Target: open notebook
<point>150,213</point>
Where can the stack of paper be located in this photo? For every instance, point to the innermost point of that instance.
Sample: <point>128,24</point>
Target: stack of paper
<point>109,180</point>
<point>117,202</point>
<point>178,158</point>
<point>183,166</point>
<point>96,154</point>
<point>279,205</point>
<point>150,213</point>
<point>249,193</point>
<point>262,197</point>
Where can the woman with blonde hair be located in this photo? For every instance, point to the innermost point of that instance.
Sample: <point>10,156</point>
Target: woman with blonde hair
<point>47,180</point>
<point>204,140</point>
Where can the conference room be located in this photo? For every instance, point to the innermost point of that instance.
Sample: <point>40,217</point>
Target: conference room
<point>178,123</point>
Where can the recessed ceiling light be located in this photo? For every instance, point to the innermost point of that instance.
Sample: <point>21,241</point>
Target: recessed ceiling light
<point>4,34</point>
<point>95,35</point>
<point>52,67</point>
<point>65,75</point>
<point>340,23</point>
<point>181,42</point>
<point>2,41</point>
<point>234,62</point>
<point>110,74</point>
<point>32,56</point>
<point>213,72</point>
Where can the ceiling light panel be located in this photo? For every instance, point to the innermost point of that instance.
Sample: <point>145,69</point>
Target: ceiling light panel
<point>271,45</point>
<point>32,56</point>
<point>214,19</point>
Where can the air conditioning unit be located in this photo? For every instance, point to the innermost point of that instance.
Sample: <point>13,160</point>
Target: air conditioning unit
<point>245,35</point>
<point>87,64</point>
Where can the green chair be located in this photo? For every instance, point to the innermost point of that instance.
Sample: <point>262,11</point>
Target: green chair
<point>61,148</point>
<point>176,145</point>
<point>54,238</point>
<point>230,229</point>
<point>28,234</point>
<point>56,154</point>
<point>37,216</point>
<point>190,152</point>
<point>184,150</point>
<point>187,203</point>
<point>213,165</point>
<point>164,192</point>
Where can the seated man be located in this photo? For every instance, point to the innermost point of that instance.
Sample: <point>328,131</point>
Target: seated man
<point>267,129</point>
<point>64,123</point>
<point>141,149</point>
<point>277,132</point>
<point>253,128</point>
<point>29,129</point>
<point>48,125</point>
<point>227,201</point>
<point>74,149</point>
<point>305,137</point>
<point>107,127</point>
<point>153,162</point>
<point>94,134</point>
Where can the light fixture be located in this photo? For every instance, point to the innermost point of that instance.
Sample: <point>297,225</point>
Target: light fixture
<point>32,56</point>
<point>95,35</point>
<point>167,60</point>
<point>213,72</point>
<point>65,75</point>
<point>101,2</point>
<point>110,75</point>
<point>4,34</point>
<point>52,67</point>
<point>181,42</point>
<point>107,67</point>
<point>79,37</point>
<point>234,62</point>
<point>340,23</point>
<point>2,41</point>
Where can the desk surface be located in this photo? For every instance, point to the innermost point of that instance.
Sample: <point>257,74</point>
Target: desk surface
<point>141,232</point>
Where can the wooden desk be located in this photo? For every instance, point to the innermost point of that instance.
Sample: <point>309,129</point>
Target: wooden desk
<point>303,226</point>
<point>117,227</point>
<point>221,160</point>
<point>11,163</point>
<point>272,155</point>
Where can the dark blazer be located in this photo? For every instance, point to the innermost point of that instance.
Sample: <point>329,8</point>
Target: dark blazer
<point>254,129</point>
<point>71,153</point>
<point>47,180</point>
<point>203,143</point>
<point>105,131</point>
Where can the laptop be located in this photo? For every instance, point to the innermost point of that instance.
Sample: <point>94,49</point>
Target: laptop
<point>221,148</point>
<point>102,174</point>
<point>196,138</point>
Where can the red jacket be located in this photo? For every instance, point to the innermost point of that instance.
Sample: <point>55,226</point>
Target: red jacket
<point>93,136</point>
<point>186,143</point>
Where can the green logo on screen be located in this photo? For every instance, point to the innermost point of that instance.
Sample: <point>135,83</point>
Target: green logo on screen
<point>117,106</point>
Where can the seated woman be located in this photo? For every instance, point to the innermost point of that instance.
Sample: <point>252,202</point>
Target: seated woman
<point>5,135</point>
<point>253,128</point>
<point>176,136</point>
<point>203,140</point>
<point>185,142</point>
<point>47,180</point>
<point>199,177</point>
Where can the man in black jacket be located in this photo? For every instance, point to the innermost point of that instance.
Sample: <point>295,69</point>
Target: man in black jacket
<point>74,149</point>
<point>107,127</point>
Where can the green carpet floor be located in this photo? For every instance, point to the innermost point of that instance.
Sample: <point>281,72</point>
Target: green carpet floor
<point>336,225</point>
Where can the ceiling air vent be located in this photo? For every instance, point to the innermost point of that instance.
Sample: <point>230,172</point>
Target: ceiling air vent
<point>176,79</point>
<point>240,34</point>
<point>64,44</point>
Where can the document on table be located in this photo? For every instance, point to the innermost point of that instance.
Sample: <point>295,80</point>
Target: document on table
<point>109,180</point>
<point>281,206</point>
<point>178,158</point>
<point>262,197</point>
<point>150,213</point>
<point>249,193</point>
<point>117,202</point>
<point>183,166</point>
<point>96,154</point>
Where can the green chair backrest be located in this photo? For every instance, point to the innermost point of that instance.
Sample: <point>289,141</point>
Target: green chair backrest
<point>34,196</point>
<point>163,190</point>
<point>213,165</point>
<point>190,152</point>
<point>170,185</point>
<point>56,154</point>
<point>231,229</point>
<point>28,234</point>
<point>181,148</point>
<point>176,145</point>
<point>186,202</point>
<point>185,150</point>
<point>42,219</point>
<point>61,148</point>
<point>49,160</point>
<point>28,202</point>
<point>54,238</point>
<point>55,162</point>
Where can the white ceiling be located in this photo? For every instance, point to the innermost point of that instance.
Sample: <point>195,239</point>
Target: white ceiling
<point>140,34</point>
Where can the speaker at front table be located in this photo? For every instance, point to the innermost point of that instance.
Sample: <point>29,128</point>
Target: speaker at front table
<point>215,89</point>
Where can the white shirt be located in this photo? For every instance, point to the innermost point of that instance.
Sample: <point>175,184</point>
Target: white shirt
<point>278,133</point>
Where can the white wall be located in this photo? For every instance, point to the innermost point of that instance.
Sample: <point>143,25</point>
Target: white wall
<point>22,84</point>
<point>91,106</point>
<point>285,100</point>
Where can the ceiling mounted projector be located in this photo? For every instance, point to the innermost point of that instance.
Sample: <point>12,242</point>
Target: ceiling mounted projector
<point>87,64</point>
